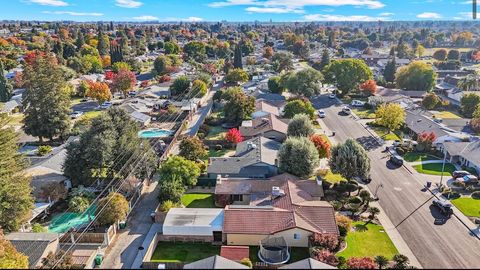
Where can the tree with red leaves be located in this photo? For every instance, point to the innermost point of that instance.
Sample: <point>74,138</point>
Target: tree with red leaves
<point>234,136</point>
<point>426,140</point>
<point>123,81</point>
<point>322,145</point>
<point>369,87</point>
<point>361,263</point>
<point>109,75</point>
<point>327,241</point>
<point>30,57</point>
<point>325,256</point>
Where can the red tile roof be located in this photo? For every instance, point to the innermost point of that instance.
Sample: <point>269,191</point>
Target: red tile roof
<point>235,253</point>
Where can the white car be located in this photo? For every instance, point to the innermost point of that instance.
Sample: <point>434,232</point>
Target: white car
<point>346,110</point>
<point>321,114</point>
<point>76,114</point>
<point>357,103</point>
<point>105,105</point>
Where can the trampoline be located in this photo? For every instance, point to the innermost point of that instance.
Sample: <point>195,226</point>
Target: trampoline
<point>63,222</point>
<point>274,251</point>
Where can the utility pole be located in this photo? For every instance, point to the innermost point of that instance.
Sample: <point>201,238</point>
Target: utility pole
<point>443,167</point>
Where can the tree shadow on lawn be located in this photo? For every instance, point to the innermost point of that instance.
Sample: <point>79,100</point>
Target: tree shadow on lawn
<point>361,227</point>
<point>440,218</point>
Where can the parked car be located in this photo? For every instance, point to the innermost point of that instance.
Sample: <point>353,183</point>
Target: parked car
<point>468,179</point>
<point>321,114</point>
<point>444,206</point>
<point>332,96</point>
<point>76,114</point>
<point>105,105</point>
<point>459,174</point>
<point>357,103</point>
<point>132,93</point>
<point>404,142</point>
<point>346,110</point>
<point>396,159</point>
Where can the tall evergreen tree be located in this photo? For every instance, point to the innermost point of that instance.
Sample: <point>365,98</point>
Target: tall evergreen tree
<point>46,99</point>
<point>103,43</point>
<point>331,39</point>
<point>390,69</point>
<point>325,59</point>
<point>5,87</point>
<point>237,57</point>
<point>15,188</point>
<point>80,40</point>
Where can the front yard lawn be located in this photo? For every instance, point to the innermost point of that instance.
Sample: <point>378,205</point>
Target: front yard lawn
<point>333,178</point>
<point>183,252</point>
<point>217,153</point>
<point>468,206</point>
<point>385,135</point>
<point>195,200</point>
<point>415,156</point>
<point>216,133</point>
<point>435,169</point>
<point>296,254</point>
<point>369,240</point>
<point>364,113</point>
<point>447,115</point>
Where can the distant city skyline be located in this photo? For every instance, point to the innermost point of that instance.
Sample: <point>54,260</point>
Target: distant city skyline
<point>236,10</point>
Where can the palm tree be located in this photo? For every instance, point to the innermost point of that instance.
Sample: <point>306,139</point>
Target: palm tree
<point>381,261</point>
<point>471,82</point>
<point>401,261</point>
<point>374,211</point>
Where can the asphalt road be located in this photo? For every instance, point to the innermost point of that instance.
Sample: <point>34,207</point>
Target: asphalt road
<point>437,242</point>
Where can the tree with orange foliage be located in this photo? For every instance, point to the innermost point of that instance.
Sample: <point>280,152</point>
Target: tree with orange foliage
<point>268,53</point>
<point>123,81</point>
<point>369,87</point>
<point>106,61</point>
<point>99,91</point>
<point>322,145</point>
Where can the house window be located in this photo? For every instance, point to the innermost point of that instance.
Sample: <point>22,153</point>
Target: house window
<point>237,198</point>
<point>296,236</point>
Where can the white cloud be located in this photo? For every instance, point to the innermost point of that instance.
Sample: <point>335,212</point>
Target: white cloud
<point>464,16</point>
<point>146,18</point>
<point>342,18</point>
<point>72,13</point>
<point>128,3</point>
<point>295,5</point>
<point>386,14</point>
<point>277,10</point>
<point>429,15</point>
<point>189,19</point>
<point>469,2</point>
<point>53,3</point>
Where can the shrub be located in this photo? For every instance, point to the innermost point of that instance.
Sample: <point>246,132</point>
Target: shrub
<point>44,150</point>
<point>247,262</point>
<point>344,222</point>
<point>326,241</point>
<point>167,205</point>
<point>325,256</point>
<point>476,195</point>
<point>79,204</point>
<point>37,228</point>
<point>361,263</point>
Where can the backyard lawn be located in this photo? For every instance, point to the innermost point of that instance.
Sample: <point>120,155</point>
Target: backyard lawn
<point>447,115</point>
<point>217,153</point>
<point>435,169</point>
<point>383,133</point>
<point>364,113</point>
<point>195,200</point>
<point>332,178</point>
<point>183,252</point>
<point>468,206</point>
<point>369,241</point>
<point>296,254</point>
<point>414,156</point>
<point>216,133</point>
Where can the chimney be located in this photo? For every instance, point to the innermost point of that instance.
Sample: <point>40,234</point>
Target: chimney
<point>219,179</point>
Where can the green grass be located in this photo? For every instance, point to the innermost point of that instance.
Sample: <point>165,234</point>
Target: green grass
<point>368,243</point>
<point>195,200</point>
<point>364,113</point>
<point>435,169</point>
<point>333,178</point>
<point>217,153</point>
<point>16,119</point>
<point>216,133</point>
<point>385,135</point>
<point>413,157</point>
<point>296,254</point>
<point>183,252</point>
<point>468,206</point>
<point>90,115</point>
<point>447,115</point>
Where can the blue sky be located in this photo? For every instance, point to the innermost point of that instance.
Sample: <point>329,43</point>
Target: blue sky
<point>236,10</point>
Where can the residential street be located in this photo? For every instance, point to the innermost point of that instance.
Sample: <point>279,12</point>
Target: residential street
<point>436,242</point>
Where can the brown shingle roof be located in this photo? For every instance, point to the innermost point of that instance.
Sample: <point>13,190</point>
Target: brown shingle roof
<point>264,124</point>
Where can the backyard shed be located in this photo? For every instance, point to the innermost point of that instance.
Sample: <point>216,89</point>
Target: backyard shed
<point>193,222</point>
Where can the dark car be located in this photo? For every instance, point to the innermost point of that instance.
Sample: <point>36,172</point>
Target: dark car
<point>459,174</point>
<point>396,159</point>
<point>444,206</point>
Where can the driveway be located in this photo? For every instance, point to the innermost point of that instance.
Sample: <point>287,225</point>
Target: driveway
<point>436,241</point>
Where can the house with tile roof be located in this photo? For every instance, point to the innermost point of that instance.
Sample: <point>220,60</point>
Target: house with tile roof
<point>283,206</point>
<point>269,126</point>
<point>254,158</point>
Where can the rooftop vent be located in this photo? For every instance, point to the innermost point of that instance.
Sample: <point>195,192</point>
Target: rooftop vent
<point>277,192</point>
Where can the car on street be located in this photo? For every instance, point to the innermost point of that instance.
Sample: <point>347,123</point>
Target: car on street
<point>468,179</point>
<point>132,93</point>
<point>76,114</point>
<point>396,159</point>
<point>346,110</point>
<point>404,142</point>
<point>332,96</point>
<point>357,103</point>
<point>444,206</point>
<point>321,114</point>
<point>459,174</point>
<point>105,105</point>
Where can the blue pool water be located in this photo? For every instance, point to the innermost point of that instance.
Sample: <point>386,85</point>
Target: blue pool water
<point>154,133</point>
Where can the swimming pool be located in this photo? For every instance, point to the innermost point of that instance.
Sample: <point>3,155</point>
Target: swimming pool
<point>154,133</point>
<point>62,223</point>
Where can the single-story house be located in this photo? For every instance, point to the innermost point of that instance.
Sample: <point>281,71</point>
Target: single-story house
<point>263,109</point>
<point>156,92</point>
<point>280,207</point>
<point>463,153</point>
<point>215,262</point>
<point>254,158</point>
<point>141,118</point>
<point>269,126</point>
<point>43,177</point>
<point>272,98</point>
<point>34,245</point>
<point>307,264</point>
<point>206,223</point>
